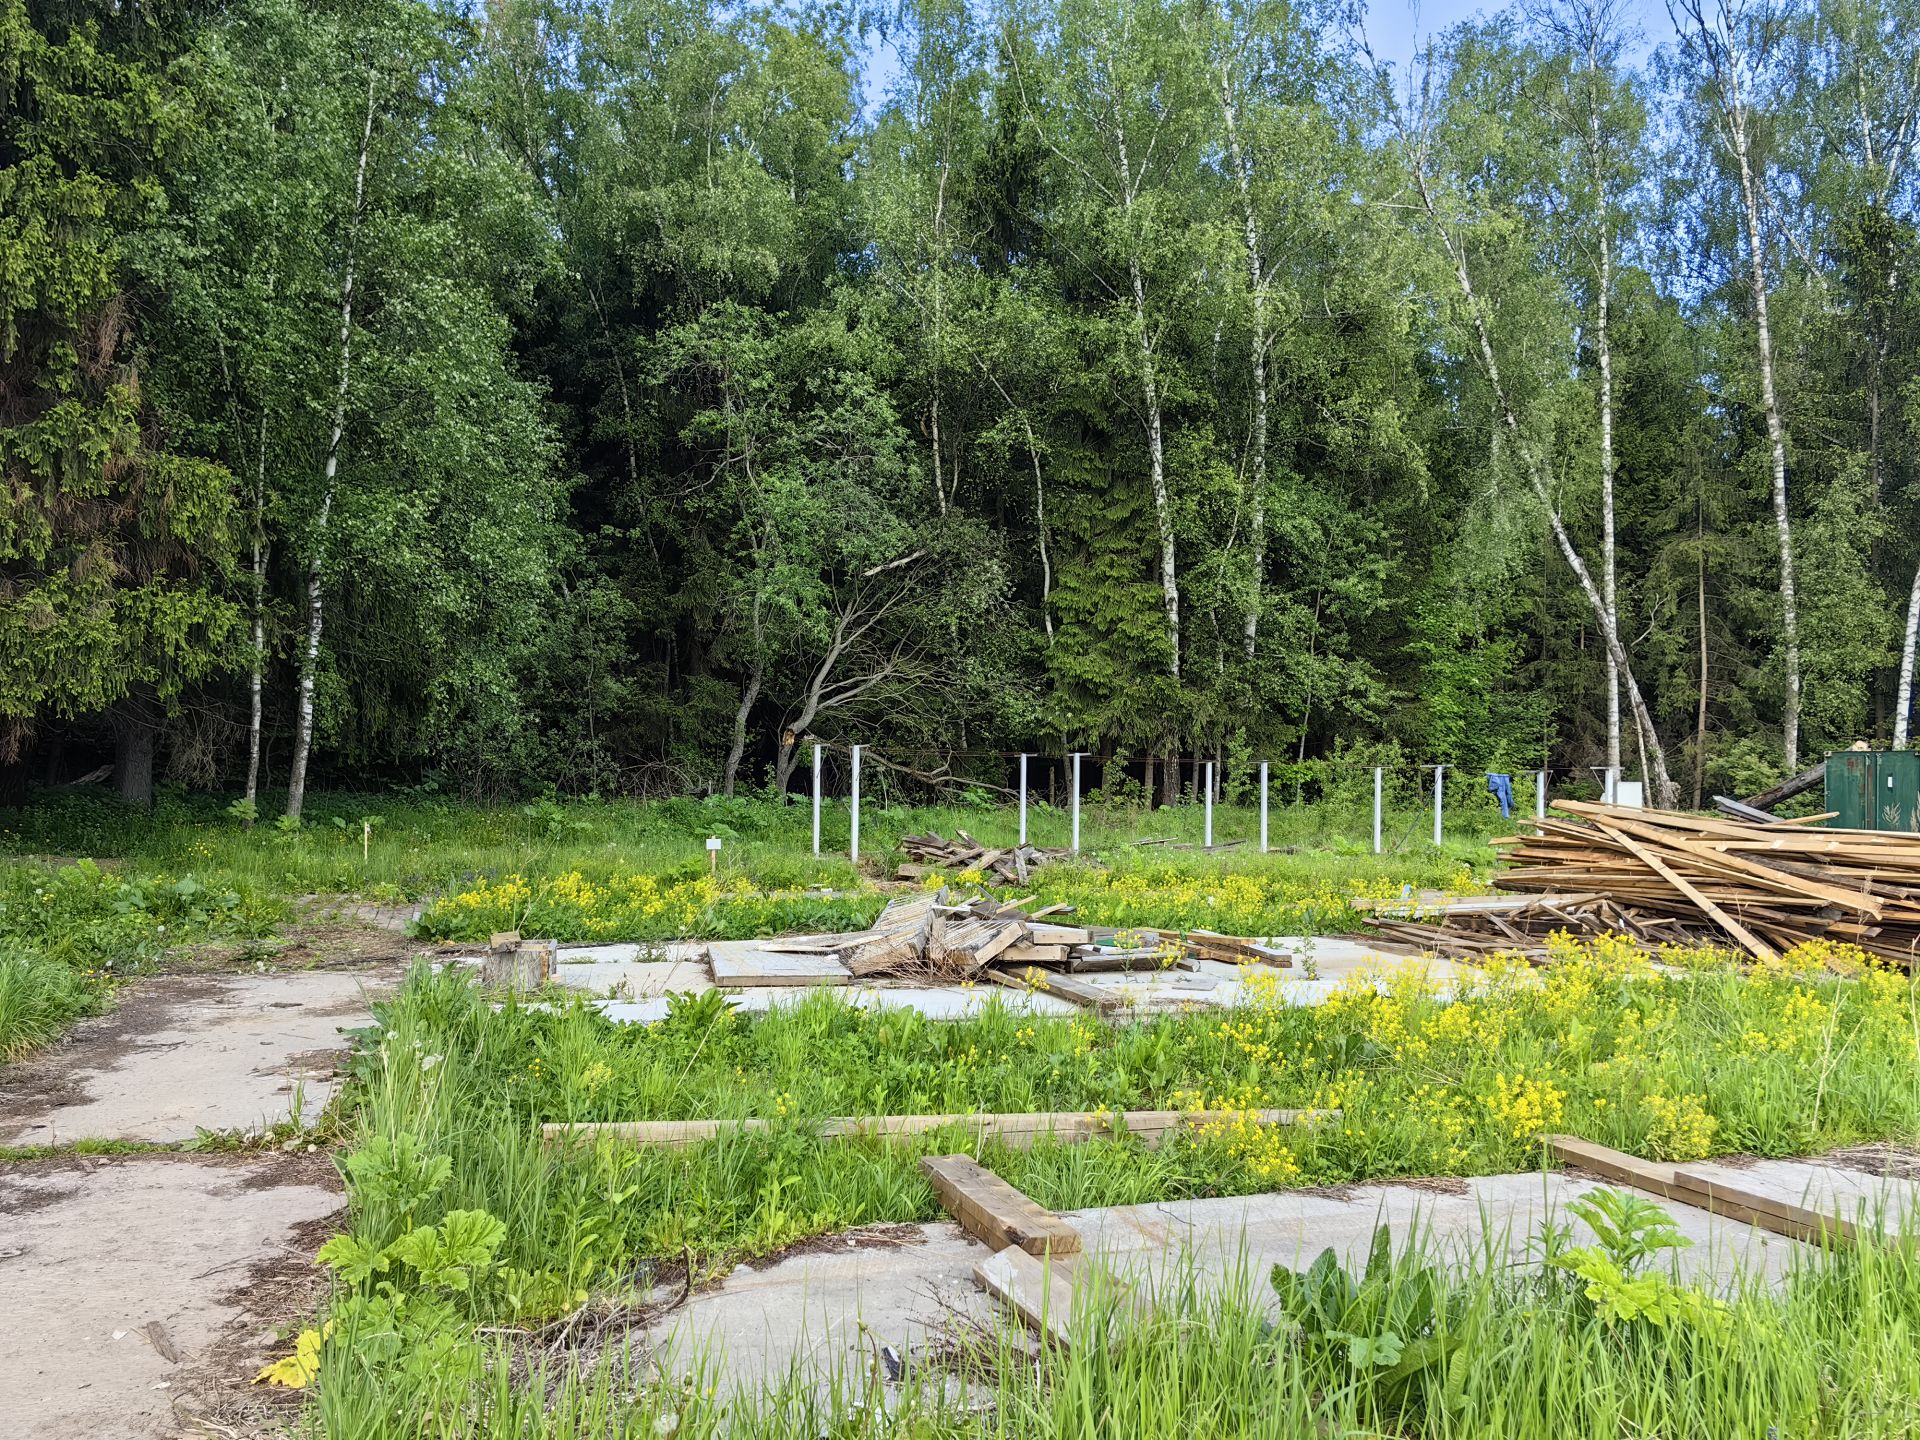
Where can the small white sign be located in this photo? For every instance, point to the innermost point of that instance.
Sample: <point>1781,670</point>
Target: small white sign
<point>713,842</point>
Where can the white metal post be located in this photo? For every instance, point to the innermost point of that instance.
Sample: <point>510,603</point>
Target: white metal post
<point>1208,841</point>
<point>1263,807</point>
<point>1023,799</point>
<point>1378,785</point>
<point>816,797</point>
<point>1612,796</point>
<point>1438,793</point>
<point>1540,795</point>
<point>1076,802</point>
<point>853,845</point>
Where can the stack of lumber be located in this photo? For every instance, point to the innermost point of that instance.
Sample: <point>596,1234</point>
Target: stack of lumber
<point>1009,866</point>
<point>1480,925</point>
<point>1660,875</point>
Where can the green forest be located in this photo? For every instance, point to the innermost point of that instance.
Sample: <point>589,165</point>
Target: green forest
<point>620,397</point>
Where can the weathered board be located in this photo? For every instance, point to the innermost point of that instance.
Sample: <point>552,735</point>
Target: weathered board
<point>993,1212</point>
<point>746,964</point>
<point>1039,1292</point>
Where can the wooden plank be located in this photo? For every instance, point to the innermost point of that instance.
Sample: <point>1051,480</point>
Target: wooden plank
<point>1672,1182</point>
<point>1025,954</point>
<point>1753,942</point>
<point>1019,1130</point>
<point>1101,1001</point>
<point>993,1212</point>
<point>1039,1292</point>
<point>1768,1211</point>
<point>1059,935</point>
<point>1787,789</point>
<point>746,964</point>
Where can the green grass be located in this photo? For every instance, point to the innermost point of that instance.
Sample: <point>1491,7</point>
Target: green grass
<point>39,998</point>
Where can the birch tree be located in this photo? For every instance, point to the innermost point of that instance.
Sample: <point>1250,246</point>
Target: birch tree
<point>1453,220</point>
<point>1731,44</point>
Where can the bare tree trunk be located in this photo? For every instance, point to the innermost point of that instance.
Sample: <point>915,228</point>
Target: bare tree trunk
<point>316,613</point>
<point>135,738</point>
<point>1665,791</point>
<point>1257,280</point>
<point>257,667</point>
<point>1040,529</point>
<point>1700,714</point>
<point>749,696</point>
<point>1609,582</point>
<point>1903,702</point>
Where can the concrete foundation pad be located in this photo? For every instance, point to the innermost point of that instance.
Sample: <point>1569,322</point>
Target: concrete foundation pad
<point>183,1053</point>
<point>827,1309</point>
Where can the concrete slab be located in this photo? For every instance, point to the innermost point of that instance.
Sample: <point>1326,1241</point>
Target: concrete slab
<point>827,1309</point>
<point>183,1053</point>
<point>634,979</point>
<point>97,1251</point>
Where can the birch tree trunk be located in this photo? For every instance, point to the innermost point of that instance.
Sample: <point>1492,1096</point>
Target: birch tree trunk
<point>1903,700</point>
<point>1150,397</point>
<point>1609,581</point>
<point>1718,42</point>
<point>1777,441</point>
<point>1257,281</point>
<point>258,663</point>
<point>316,608</point>
<point>1656,762</point>
<point>1700,714</point>
<point>1040,530</point>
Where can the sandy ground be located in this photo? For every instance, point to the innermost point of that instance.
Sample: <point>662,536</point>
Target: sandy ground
<point>140,1293</point>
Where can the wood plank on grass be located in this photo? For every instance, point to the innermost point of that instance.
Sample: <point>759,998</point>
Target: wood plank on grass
<point>1039,1292</point>
<point>1017,1130</point>
<point>993,1212</point>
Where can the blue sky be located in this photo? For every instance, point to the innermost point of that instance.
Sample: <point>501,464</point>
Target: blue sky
<point>1396,29</point>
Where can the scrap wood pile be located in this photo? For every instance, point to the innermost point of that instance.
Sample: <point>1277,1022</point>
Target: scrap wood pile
<point>937,936</point>
<point>1007,866</point>
<point>1657,875</point>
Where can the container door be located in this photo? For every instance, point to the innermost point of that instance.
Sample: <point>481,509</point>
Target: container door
<point>1850,790</point>
<point>1896,790</point>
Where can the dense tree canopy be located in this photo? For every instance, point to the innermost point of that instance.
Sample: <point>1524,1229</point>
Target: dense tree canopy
<point>614,394</point>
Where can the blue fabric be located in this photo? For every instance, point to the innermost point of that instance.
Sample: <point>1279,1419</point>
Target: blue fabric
<point>1501,788</point>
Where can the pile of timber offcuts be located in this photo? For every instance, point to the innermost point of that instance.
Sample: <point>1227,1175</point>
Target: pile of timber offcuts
<point>936,936</point>
<point>1659,876</point>
<point>1010,866</point>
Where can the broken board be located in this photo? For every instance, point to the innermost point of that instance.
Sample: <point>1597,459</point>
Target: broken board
<point>1039,1292</point>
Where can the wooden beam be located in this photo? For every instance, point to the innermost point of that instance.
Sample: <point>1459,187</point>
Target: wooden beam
<point>1717,1197</point>
<point>993,1212</point>
<point>1787,789</point>
<point>1020,1131</point>
<point>1094,997</point>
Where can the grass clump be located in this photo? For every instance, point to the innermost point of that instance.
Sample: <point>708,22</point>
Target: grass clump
<point>39,998</point>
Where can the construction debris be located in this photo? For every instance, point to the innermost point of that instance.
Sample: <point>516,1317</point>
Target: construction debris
<point>1661,876</point>
<point>939,937</point>
<point>1007,866</point>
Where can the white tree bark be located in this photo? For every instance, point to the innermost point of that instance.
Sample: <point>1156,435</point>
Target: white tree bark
<point>316,600</point>
<point>1719,41</point>
<point>1257,282</point>
<point>1903,701</point>
<point>1656,763</point>
<point>1149,393</point>
<point>258,662</point>
<point>1609,571</point>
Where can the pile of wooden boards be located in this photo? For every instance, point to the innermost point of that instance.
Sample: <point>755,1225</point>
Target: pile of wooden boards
<point>1007,866</point>
<point>1658,875</point>
<point>936,936</point>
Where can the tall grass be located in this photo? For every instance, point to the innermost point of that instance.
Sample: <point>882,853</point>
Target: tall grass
<point>39,998</point>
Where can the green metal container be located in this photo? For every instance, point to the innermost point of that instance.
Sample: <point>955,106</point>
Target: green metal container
<point>1874,789</point>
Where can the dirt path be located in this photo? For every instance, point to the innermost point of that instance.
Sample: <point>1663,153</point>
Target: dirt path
<point>142,1291</point>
